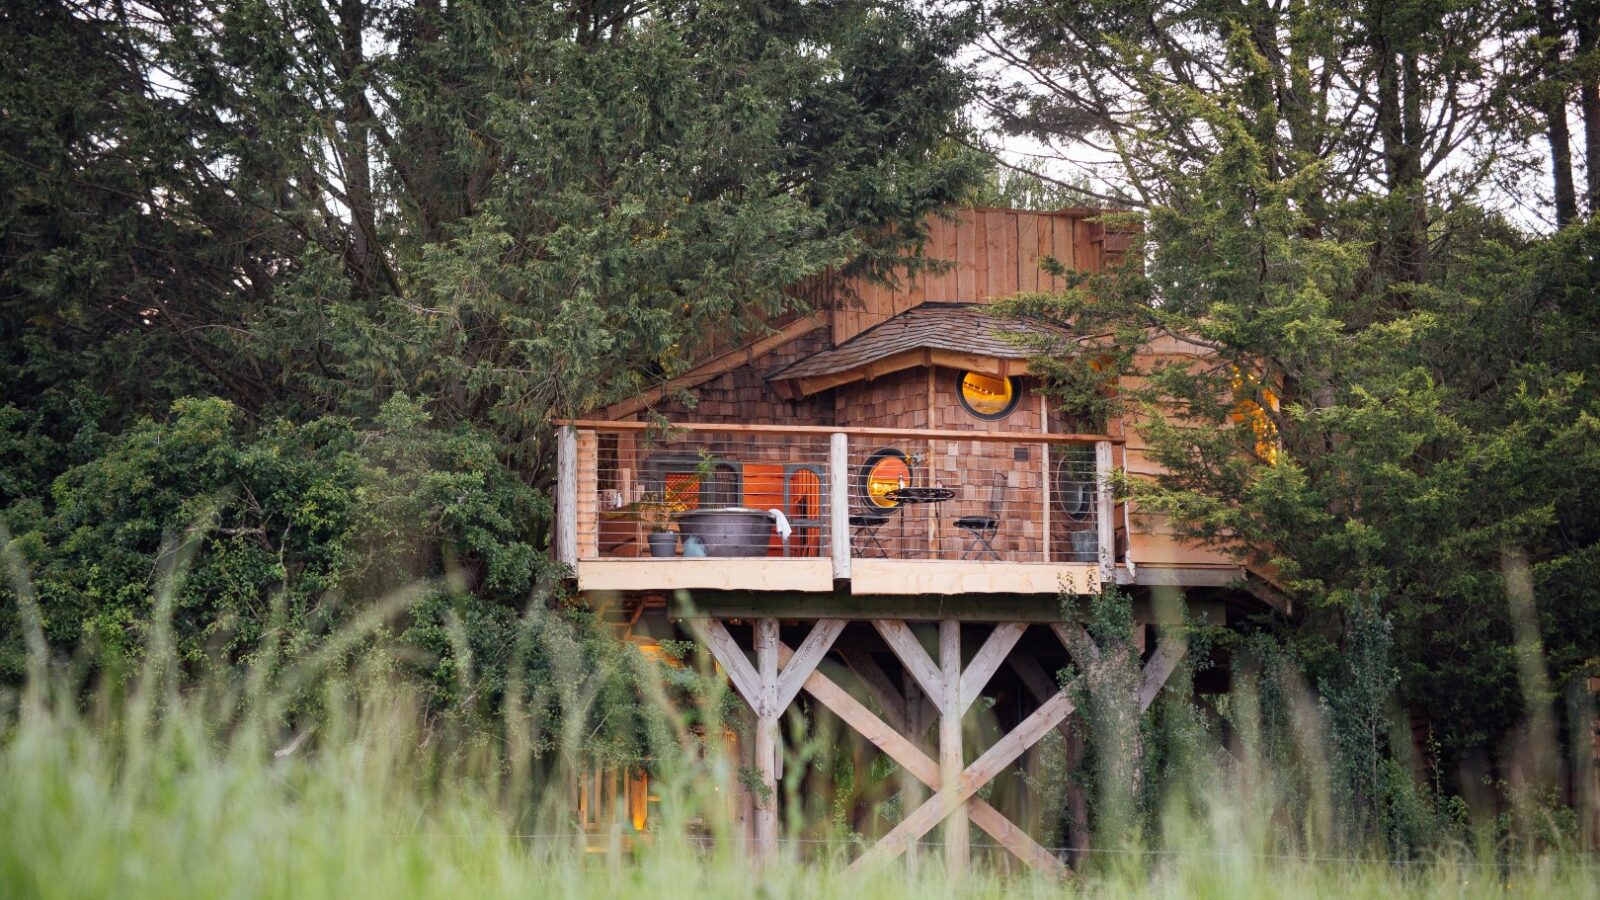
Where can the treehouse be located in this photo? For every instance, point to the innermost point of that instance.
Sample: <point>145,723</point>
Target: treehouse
<point>877,505</point>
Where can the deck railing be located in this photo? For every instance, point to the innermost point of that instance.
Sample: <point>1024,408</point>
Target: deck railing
<point>845,494</point>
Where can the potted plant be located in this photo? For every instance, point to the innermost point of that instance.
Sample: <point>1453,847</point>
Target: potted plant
<point>655,513</point>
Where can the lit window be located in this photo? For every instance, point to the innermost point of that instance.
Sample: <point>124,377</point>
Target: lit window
<point>886,470</point>
<point>988,396</point>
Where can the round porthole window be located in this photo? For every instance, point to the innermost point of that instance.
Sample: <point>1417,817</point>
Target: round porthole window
<point>885,471</point>
<point>987,396</point>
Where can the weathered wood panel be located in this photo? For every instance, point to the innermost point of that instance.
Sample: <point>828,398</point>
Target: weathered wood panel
<point>995,252</point>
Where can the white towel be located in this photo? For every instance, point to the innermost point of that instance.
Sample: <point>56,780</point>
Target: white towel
<point>781,522</point>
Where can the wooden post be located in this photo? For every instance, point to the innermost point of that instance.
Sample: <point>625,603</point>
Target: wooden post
<point>839,503</point>
<point>588,496</point>
<point>766,744</point>
<point>567,495</point>
<point>1044,479</point>
<point>951,763</point>
<point>1104,511</point>
<point>932,466</point>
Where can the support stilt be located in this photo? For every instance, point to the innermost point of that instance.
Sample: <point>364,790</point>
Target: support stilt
<point>767,739</point>
<point>768,692</point>
<point>779,673</point>
<point>956,842</point>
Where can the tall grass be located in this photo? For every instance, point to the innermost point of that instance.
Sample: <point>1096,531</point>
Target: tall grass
<point>152,785</point>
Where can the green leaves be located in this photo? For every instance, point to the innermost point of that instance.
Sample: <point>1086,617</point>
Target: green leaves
<point>1324,261</point>
<point>315,517</point>
<point>373,249</point>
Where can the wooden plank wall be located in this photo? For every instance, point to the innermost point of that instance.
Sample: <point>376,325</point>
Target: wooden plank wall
<point>1153,539</point>
<point>996,253</point>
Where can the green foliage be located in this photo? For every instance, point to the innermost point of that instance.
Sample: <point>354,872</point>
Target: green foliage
<point>1135,762</point>
<point>238,236</point>
<point>300,525</point>
<point>1425,371</point>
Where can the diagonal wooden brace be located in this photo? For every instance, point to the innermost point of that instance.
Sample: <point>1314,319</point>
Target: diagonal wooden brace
<point>923,767</point>
<point>982,770</point>
<point>751,684</point>
<point>768,692</point>
<point>1004,752</point>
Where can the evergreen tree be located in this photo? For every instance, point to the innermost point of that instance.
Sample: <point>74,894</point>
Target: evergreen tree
<point>1397,383</point>
<point>300,210</point>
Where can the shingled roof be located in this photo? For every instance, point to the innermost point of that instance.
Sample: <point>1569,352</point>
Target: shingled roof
<point>947,328</point>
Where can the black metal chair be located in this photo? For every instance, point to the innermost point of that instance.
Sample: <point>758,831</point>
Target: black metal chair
<point>982,530</point>
<point>864,525</point>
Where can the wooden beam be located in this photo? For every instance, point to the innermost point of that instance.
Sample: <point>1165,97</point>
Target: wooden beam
<point>766,743</point>
<point>943,434</point>
<point>983,770</point>
<point>1044,478</point>
<point>920,766</point>
<point>957,844</point>
<point>806,573</point>
<point>811,652</point>
<point>839,503</point>
<point>996,366</point>
<point>1160,666</point>
<point>726,651</point>
<point>745,604</point>
<point>766,646</point>
<point>805,387</point>
<point>961,576</point>
<point>920,712</point>
<point>930,357</point>
<point>1104,512</point>
<point>988,659</point>
<point>897,634</point>
<point>877,683</point>
<point>1039,684</point>
<point>931,478</point>
<point>586,505</point>
<point>719,365</point>
<point>1074,638</point>
<point>567,495</point>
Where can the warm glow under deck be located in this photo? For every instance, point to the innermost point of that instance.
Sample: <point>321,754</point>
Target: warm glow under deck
<point>867,576</point>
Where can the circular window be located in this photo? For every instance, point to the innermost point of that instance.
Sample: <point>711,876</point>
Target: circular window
<point>987,396</point>
<point>885,471</point>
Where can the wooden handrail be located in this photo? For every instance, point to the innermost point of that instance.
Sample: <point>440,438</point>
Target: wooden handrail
<point>944,434</point>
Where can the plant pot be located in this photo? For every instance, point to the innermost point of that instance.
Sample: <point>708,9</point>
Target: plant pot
<point>733,531</point>
<point>663,544</point>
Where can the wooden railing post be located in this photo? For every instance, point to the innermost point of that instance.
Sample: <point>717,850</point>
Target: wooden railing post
<point>839,503</point>
<point>567,495</point>
<point>1104,511</point>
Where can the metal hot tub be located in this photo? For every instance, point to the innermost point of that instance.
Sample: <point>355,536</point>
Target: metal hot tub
<point>730,531</point>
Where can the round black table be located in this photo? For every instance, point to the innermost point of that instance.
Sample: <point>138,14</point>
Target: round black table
<point>932,496</point>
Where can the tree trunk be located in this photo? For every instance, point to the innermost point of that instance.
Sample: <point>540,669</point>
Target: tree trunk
<point>1587,14</point>
<point>1399,124</point>
<point>1551,32</point>
<point>355,156</point>
<point>1415,262</point>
